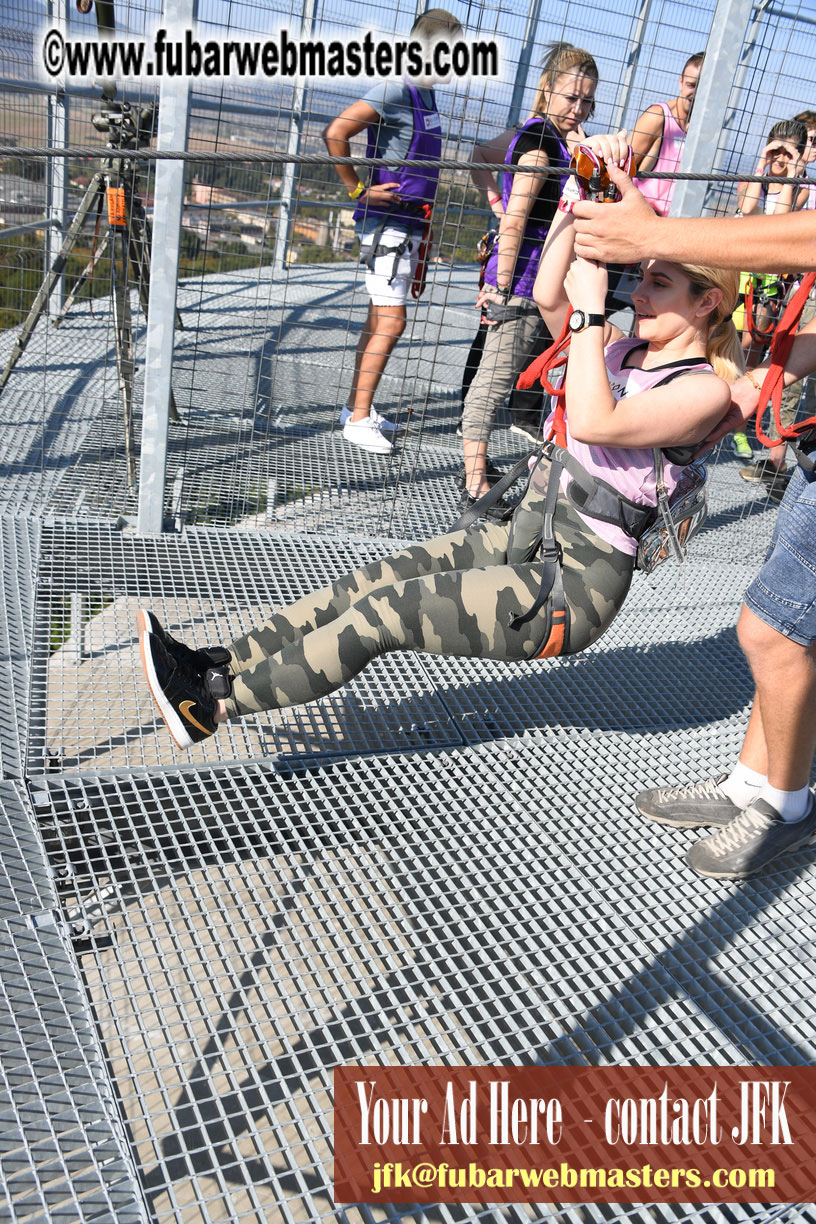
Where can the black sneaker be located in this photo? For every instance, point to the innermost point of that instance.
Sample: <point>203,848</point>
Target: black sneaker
<point>531,428</point>
<point>499,512</point>
<point>776,483</point>
<point>204,659</point>
<point>180,691</point>
<point>751,841</point>
<point>492,473</point>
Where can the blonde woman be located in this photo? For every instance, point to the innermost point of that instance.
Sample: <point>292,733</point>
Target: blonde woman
<point>483,591</point>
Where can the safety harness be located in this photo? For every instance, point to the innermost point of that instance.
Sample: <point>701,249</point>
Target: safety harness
<point>377,248</point>
<point>659,529</point>
<point>765,297</point>
<point>803,433</point>
<point>588,493</point>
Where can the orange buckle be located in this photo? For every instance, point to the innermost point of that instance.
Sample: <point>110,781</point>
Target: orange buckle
<point>117,212</point>
<point>592,176</point>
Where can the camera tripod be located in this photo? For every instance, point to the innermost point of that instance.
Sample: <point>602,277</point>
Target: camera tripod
<point>113,187</point>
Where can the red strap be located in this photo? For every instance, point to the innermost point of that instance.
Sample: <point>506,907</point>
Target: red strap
<point>774,383</point>
<point>555,355</point>
<point>421,272</point>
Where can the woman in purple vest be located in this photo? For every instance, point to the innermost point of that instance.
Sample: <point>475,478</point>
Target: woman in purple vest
<point>525,207</point>
<point>401,121</point>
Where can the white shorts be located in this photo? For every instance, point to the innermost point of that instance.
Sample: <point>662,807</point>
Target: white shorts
<point>376,282</point>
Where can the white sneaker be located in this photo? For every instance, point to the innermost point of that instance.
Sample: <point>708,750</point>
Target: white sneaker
<point>385,426</point>
<point>366,434</point>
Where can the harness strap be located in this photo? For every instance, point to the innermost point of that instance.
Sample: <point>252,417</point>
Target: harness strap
<point>493,494</point>
<point>375,249</point>
<point>425,244</point>
<point>552,584</point>
<point>774,382</point>
<point>592,496</point>
<point>554,356</point>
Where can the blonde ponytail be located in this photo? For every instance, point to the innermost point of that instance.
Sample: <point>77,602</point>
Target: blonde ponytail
<point>724,350</point>
<point>723,346</point>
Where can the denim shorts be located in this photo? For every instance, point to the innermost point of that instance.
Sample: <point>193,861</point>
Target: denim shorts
<point>783,594</point>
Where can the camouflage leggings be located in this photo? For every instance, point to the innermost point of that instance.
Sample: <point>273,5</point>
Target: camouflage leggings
<point>452,595</point>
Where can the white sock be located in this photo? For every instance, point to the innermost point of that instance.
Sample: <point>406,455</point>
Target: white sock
<point>791,805</point>
<point>742,786</point>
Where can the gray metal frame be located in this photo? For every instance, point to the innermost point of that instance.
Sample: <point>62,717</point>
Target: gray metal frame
<point>287,191</point>
<point>56,191</point>
<point>174,111</point>
<point>723,52</point>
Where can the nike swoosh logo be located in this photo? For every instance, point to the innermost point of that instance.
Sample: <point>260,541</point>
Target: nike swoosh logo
<point>186,707</point>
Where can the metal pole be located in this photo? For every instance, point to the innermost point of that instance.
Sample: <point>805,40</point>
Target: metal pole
<point>293,146</point>
<point>523,66</point>
<point>174,110</point>
<point>56,168</point>
<point>722,58</point>
<point>632,61</point>
<point>746,55</point>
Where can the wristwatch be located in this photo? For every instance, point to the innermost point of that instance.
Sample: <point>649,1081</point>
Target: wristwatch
<point>579,320</point>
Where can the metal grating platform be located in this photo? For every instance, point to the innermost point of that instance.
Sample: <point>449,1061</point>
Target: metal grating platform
<point>439,864</point>
<point>94,711</point>
<point>63,1152</point>
<point>258,443</point>
<point>251,928</point>
<point>90,710</point>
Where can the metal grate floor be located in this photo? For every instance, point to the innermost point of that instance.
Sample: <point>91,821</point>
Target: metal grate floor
<point>250,929</point>
<point>90,709</point>
<point>439,864</point>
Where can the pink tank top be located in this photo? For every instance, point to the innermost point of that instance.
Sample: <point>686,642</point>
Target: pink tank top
<point>630,471</point>
<point>659,192</point>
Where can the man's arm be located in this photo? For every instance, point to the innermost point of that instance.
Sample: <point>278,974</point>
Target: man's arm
<point>494,150</point>
<point>337,137</point>
<point>630,230</point>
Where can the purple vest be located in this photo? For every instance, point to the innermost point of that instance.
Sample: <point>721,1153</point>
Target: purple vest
<point>529,253</point>
<point>417,186</point>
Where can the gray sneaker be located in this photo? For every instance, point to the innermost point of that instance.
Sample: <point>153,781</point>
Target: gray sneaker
<point>753,839</point>
<point>688,807</point>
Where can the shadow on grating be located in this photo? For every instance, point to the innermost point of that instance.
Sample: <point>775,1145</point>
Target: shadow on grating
<point>670,662</point>
<point>95,711</point>
<point>248,929</point>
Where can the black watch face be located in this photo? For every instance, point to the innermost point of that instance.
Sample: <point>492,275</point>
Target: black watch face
<point>576,320</point>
